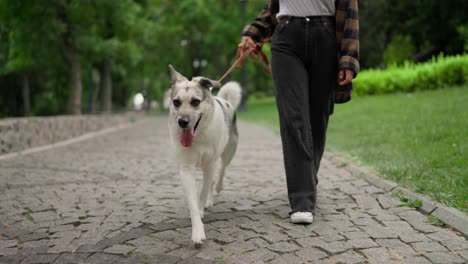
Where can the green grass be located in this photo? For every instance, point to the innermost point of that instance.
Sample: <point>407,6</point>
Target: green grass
<point>418,140</point>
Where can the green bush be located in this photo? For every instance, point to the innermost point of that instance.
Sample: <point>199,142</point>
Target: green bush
<point>439,73</point>
<point>399,50</point>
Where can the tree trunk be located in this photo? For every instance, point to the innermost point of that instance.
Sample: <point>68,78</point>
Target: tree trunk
<point>25,93</point>
<point>75,87</point>
<point>106,85</point>
<point>75,77</point>
<point>97,90</point>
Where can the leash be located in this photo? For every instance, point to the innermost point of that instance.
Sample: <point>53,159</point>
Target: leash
<point>239,63</point>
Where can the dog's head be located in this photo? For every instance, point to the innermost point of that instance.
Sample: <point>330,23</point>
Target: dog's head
<point>189,102</point>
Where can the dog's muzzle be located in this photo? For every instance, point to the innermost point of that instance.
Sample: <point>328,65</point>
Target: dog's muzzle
<point>183,122</point>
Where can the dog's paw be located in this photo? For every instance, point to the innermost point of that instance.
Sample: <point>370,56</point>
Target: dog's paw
<point>202,212</point>
<point>209,202</point>
<point>198,235</point>
<point>219,187</point>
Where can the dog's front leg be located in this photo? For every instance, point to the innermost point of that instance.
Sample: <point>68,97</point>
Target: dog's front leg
<point>190,188</point>
<point>206,196</point>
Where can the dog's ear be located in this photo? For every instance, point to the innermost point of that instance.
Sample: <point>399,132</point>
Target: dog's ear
<point>207,83</point>
<point>175,76</point>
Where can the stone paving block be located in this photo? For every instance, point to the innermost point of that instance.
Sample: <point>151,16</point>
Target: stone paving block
<point>159,227</point>
<point>444,257</point>
<point>39,259</point>
<point>428,247</point>
<point>33,250</point>
<point>349,257</point>
<point>274,237</point>
<point>377,255</point>
<point>415,260</point>
<point>33,244</point>
<point>402,252</point>
<point>125,236</point>
<point>253,256</point>
<point>336,247</point>
<point>390,243</point>
<point>13,259</point>
<point>33,236</point>
<point>158,248</point>
<point>44,216</point>
<point>376,231</point>
<point>360,243</point>
<point>287,259</point>
<point>167,235</point>
<point>212,254</point>
<point>331,238</point>
<point>119,249</point>
<point>67,234</point>
<point>310,254</point>
<point>60,228</point>
<point>259,242</point>
<point>8,251</point>
<point>99,258</point>
<point>310,242</point>
<point>193,261</point>
<point>425,228</point>
<point>7,243</point>
<point>443,235</point>
<point>366,201</point>
<point>140,259</point>
<point>238,247</point>
<point>71,258</point>
<point>283,247</point>
<point>299,232</point>
<point>65,247</point>
<point>354,235</point>
<point>364,221</point>
<point>464,254</point>
<point>386,201</point>
<point>455,245</point>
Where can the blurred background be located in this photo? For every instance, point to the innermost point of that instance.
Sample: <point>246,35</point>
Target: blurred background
<point>86,56</point>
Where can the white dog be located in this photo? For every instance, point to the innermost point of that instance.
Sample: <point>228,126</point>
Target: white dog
<point>203,131</point>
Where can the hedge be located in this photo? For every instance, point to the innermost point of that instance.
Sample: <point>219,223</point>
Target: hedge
<point>438,73</point>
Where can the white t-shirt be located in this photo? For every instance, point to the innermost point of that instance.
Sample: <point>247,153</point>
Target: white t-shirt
<point>304,8</point>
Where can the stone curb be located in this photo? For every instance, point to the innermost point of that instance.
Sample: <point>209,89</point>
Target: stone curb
<point>71,140</point>
<point>449,215</point>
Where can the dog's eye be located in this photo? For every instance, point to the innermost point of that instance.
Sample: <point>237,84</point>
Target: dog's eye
<point>177,102</point>
<point>195,102</point>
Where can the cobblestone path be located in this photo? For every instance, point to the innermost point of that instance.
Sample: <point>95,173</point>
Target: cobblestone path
<point>117,199</point>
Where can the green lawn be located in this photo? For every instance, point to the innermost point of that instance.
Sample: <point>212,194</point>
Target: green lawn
<point>419,140</point>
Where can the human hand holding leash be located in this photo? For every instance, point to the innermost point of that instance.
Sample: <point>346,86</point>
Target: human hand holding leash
<point>248,47</point>
<point>345,76</point>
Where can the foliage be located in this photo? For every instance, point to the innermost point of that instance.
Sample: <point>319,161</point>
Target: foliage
<point>406,201</point>
<point>432,25</point>
<point>417,140</point>
<point>398,50</point>
<point>439,73</point>
<point>463,31</point>
<point>137,39</point>
<point>435,221</point>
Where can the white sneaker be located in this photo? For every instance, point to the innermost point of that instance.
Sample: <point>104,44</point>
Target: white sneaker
<point>302,218</point>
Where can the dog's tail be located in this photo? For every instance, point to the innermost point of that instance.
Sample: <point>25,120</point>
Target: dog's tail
<point>231,92</point>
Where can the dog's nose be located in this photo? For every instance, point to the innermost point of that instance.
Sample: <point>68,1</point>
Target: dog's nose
<point>183,122</point>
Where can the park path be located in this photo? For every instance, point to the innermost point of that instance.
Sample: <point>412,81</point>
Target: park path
<point>117,199</point>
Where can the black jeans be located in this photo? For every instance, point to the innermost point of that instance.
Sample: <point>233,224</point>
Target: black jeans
<point>304,64</point>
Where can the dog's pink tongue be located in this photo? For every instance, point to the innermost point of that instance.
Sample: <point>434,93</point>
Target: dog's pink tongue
<point>186,138</point>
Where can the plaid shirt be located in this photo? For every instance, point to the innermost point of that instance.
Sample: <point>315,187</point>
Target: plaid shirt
<point>347,30</point>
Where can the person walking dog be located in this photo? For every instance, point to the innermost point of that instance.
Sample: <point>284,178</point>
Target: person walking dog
<point>315,53</point>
